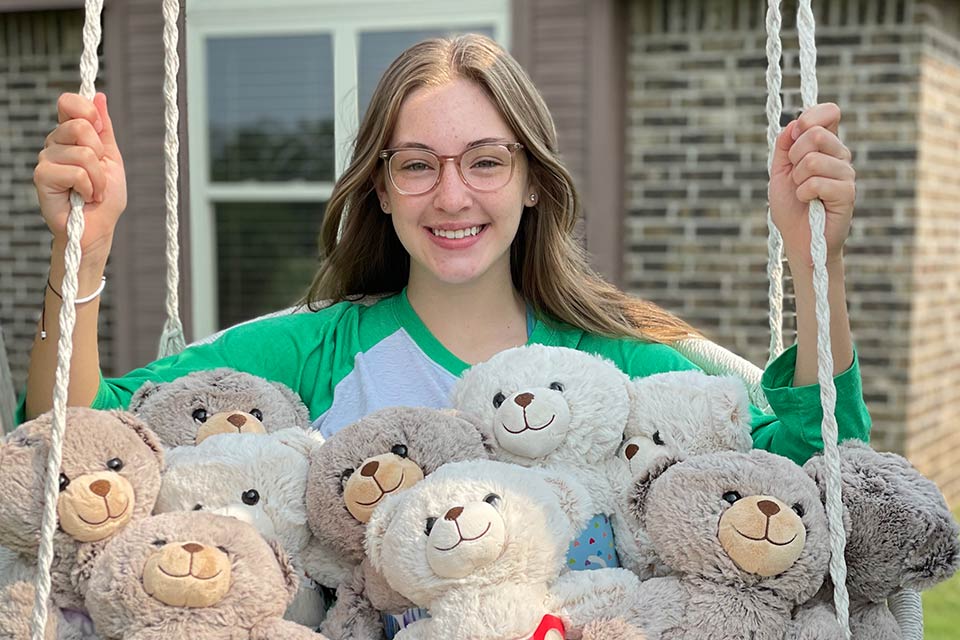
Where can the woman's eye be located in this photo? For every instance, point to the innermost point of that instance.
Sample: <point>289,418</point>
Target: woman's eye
<point>115,464</point>
<point>64,482</point>
<point>486,163</point>
<point>256,413</point>
<point>731,496</point>
<point>416,167</point>
<point>200,416</point>
<point>498,400</point>
<point>556,386</point>
<point>399,450</point>
<point>429,526</point>
<point>657,439</point>
<point>492,499</point>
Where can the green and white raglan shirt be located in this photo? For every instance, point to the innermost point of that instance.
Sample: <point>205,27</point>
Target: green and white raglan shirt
<point>349,359</point>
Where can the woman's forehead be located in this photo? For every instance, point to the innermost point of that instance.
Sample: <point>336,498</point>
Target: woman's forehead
<point>448,118</point>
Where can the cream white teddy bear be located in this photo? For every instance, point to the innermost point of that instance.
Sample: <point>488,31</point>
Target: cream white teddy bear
<point>260,479</point>
<point>482,545</point>
<point>674,415</point>
<point>561,410</point>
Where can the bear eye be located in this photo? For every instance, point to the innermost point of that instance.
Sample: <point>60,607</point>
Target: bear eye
<point>430,522</point>
<point>200,416</point>
<point>492,499</point>
<point>197,507</point>
<point>115,464</point>
<point>64,482</point>
<point>556,386</point>
<point>159,542</point>
<point>657,439</point>
<point>399,450</point>
<point>498,400</point>
<point>344,476</point>
<point>731,496</point>
<point>256,413</point>
<point>798,509</point>
<point>250,497</point>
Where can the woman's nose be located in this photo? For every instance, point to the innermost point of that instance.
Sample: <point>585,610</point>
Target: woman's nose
<point>451,194</point>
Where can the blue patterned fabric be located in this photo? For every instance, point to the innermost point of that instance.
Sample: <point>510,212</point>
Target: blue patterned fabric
<point>593,548</point>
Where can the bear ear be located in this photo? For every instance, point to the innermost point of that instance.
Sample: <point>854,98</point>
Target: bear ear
<point>142,430</point>
<point>300,440</point>
<point>377,528</point>
<point>574,499</point>
<point>140,396</point>
<point>642,484</point>
<point>291,578</point>
<point>295,402</point>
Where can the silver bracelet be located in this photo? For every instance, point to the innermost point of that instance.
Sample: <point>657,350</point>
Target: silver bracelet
<point>43,305</point>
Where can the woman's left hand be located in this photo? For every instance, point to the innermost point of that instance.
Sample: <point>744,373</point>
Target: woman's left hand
<point>810,162</point>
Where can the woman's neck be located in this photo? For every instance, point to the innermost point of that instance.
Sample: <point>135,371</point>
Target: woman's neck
<point>474,321</point>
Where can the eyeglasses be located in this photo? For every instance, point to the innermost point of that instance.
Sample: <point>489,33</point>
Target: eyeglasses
<point>486,167</point>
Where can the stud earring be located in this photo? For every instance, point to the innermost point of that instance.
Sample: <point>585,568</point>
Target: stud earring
<point>533,197</point>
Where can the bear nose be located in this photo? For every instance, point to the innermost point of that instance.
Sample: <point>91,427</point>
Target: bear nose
<point>192,547</point>
<point>370,469</point>
<point>524,399</point>
<point>237,420</point>
<point>453,514</point>
<point>768,508</point>
<point>100,488</point>
<point>631,451</point>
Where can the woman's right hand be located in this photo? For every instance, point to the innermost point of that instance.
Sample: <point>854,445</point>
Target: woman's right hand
<point>81,155</point>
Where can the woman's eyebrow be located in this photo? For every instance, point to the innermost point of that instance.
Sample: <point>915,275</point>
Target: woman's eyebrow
<point>474,143</point>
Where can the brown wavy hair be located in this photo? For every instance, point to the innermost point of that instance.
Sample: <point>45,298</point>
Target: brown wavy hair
<point>362,256</point>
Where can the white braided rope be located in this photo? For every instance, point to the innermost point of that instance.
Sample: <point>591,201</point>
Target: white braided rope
<point>171,340</point>
<point>715,360</point>
<point>89,65</point>
<point>774,240</point>
<point>828,392</point>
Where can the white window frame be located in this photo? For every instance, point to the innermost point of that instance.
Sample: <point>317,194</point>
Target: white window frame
<point>343,20</point>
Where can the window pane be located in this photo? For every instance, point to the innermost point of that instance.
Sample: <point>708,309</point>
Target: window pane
<point>271,108</point>
<point>266,256</point>
<point>379,48</point>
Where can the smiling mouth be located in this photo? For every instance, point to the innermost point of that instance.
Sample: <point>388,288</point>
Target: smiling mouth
<point>462,539</point>
<point>382,492</point>
<point>108,518</point>
<point>186,575</point>
<point>765,538</point>
<point>458,234</point>
<point>528,427</point>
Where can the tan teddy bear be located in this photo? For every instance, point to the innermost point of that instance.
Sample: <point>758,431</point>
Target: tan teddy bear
<point>196,576</point>
<point>109,477</point>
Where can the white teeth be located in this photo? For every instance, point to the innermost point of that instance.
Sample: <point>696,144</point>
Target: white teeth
<point>458,233</point>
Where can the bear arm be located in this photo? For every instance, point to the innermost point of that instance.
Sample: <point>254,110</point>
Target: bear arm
<point>324,565</point>
<point>276,628</point>
<point>380,594</point>
<point>352,615</point>
<point>583,596</point>
<point>16,611</point>
<point>815,620</point>
<point>873,620</point>
<point>613,629</point>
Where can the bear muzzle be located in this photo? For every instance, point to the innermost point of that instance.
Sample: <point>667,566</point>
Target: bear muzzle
<point>229,422</point>
<point>762,535</point>
<point>378,477</point>
<point>94,506</point>
<point>532,423</point>
<point>187,574</point>
<point>466,538</point>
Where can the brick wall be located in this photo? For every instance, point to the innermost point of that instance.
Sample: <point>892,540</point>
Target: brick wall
<point>695,230</point>
<point>39,59</point>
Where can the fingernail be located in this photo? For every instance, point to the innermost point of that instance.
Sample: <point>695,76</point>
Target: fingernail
<point>795,132</point>
<point>98,125</point>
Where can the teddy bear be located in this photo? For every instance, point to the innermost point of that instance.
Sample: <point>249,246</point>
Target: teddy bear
<point>260,479</point>
<point>482,544</point>
<point>558,409</point>
<point>674,415</point>
<point>193,575</point>
<point>109,477</point>
<point>900,535</point>
<point>746,537</point>
<point>383,453</point>
<point>200,404</point>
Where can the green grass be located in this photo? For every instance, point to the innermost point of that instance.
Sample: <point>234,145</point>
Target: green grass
<point>941,608</point>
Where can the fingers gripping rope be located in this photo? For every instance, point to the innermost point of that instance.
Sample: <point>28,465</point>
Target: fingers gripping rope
<point>89,64</point>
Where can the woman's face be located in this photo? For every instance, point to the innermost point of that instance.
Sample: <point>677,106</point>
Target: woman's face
<point>447,120</point>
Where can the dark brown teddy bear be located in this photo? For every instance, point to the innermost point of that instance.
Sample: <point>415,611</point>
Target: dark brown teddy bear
<point>196,576</point>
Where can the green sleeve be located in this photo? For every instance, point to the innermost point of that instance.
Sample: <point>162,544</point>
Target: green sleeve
<point>794,431</point>
<point>300,351</point>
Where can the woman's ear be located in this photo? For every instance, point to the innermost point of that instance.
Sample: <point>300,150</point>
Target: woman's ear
<point>382,196</point>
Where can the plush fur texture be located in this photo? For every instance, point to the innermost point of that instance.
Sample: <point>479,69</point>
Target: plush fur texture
<point>710,519</point>
<point>234,584</point>
<point>363,463</point>
<point>482,545</point>
<point>110,474</point>
<point>204,403</point>
<point>551,407</point>
<point>17,593</point>
<point>900,535</point>
<point>674,415</point>
<point>260,479</point>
